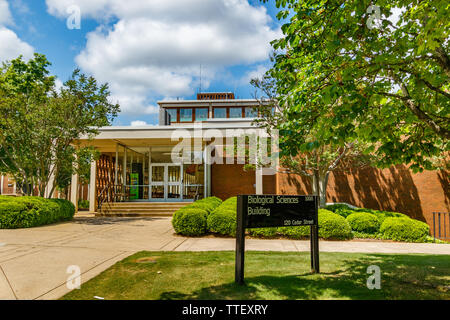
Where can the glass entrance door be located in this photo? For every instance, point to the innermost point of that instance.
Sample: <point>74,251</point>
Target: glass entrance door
<point>173,182</point>
<point>166,182</point>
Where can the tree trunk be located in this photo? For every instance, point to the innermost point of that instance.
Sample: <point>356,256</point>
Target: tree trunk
<point>320,183</point>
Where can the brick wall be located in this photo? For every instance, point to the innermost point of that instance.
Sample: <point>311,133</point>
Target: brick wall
<point>393,189</point>
<point>8,185</point>
<point>229,180</point>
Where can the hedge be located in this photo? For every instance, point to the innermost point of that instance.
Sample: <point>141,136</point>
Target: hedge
<point>222,221</point>
<point>299,232</point>
<point>364,222</point>
<point>190,221</point>
<point>83,204</point>
<point>27,212</point>
<point>337,206</point>
<point>333,226</point>
<point>344,210</point>
<point>230,203</point>
<point>264,232</point>
<point>404,229</point>
<point>207,204</point>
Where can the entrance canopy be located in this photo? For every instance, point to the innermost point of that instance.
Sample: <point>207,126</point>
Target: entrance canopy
<point>156,163</point>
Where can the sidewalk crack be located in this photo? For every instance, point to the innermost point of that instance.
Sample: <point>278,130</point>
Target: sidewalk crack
<point>9,283</point>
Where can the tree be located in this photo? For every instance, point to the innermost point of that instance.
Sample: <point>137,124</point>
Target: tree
<point>304,150</point>
<point>40,125</point>
<point>75,160</point>
<point>384,82</point>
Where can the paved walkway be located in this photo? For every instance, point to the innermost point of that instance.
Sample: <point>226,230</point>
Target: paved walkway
<point>34,262</point>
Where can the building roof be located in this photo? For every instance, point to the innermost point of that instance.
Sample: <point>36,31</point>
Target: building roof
<point>237,102</point>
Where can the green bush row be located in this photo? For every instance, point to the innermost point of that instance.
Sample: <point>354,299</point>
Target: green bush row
<point>404,229</point>
<point>191,219</point>
<point>364,222</point>
<point>331,226</point>
<point>369,223</point>
<point>213,215</point>
<point>27,212</point>
<point>223,219</point>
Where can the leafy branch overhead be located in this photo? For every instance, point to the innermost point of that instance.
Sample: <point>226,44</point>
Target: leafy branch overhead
<point>349,70</point>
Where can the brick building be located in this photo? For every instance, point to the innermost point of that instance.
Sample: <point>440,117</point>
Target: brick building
<point>137,164</point>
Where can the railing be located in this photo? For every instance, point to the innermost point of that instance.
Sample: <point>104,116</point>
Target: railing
<point>121,193</point>
<point>443,232</point>
<point>114,193</point>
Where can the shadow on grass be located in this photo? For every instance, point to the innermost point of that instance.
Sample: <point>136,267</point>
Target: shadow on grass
<point>402,277</point>
<point>110,220</point>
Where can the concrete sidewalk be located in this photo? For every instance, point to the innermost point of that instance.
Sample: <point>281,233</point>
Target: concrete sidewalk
<point>34,262</point>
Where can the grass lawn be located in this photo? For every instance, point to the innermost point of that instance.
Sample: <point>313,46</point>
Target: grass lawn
<point>269,275</point>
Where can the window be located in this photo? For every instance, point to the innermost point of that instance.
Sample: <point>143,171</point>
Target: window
<point>185,115</point>
<point>251,112</point>
<point>173,114</point>
<point>235,112</point>
<point>201,114</point>
<point>220,112</point>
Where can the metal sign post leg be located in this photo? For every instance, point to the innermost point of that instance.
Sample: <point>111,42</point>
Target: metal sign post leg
<point>240,244</point>
<point>315,252</point>
<point>314,247</point>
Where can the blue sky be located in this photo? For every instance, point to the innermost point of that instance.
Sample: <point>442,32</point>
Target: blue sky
<point>148,50</point>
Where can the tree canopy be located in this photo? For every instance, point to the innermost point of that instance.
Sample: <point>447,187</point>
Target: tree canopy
<point>351,71</point>
<point>40,124</point>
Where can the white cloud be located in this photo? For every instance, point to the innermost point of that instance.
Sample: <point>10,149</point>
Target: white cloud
<point>58,84</point>
<point>257,72</point>
<point>20,6</point>
<point>139,123</point>
<point>5,14</point>
<point>156,46</point>
<point>11,46</point>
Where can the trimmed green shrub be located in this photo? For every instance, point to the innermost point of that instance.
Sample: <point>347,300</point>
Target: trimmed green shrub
<point>333,226</point>
<point>364,222</point>
<point>27,212</point>
<point>404,229</point>
<point>299,232</point>
<point>334,207</point>
<point>222,221</point>
<point>83,204</point>
<point>230,204</point>
<point>215,200</point>
<point>263,232</point>
<point>190,221</point>
<point>344,212</point>
<point>381,215</point>
<point>207,204</point>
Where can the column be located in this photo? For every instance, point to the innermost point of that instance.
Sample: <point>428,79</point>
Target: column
<point>258,171</point>
<point>74,191</point>
<point>124,170</point>
<point>259,180</point>
<point>116,167</point>
<point>207,170</point>
<point>92,187</point>
<point>149,173</point>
